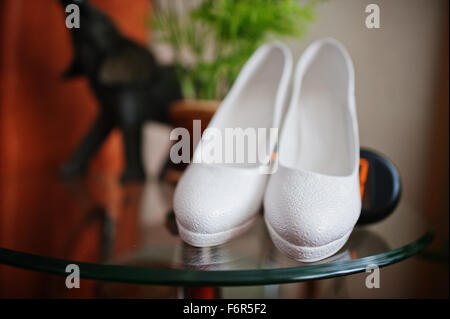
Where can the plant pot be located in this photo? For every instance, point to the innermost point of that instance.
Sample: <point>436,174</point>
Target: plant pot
<point>182,114</point>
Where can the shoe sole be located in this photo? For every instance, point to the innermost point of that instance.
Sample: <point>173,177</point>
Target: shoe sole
<point>306,253</point>
<point>209,240</point>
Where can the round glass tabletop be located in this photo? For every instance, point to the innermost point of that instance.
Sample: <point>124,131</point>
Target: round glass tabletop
<point>128,234</point>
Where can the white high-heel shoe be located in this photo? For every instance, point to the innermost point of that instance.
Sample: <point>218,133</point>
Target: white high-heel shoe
<point>216,202</point>
<point>313,201</point>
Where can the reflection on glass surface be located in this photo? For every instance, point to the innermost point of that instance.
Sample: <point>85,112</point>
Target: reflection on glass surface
<point>97,220</point>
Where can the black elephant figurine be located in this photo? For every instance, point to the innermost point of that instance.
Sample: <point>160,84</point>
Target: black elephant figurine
<point>130,86</point>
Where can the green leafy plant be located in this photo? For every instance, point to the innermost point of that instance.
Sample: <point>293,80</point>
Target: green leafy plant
<point>214,39</point>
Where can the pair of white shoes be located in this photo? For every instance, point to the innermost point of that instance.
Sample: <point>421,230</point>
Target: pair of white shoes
<point>312,202</point>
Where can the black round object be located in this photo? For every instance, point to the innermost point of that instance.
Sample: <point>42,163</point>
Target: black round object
<point>382,188</point>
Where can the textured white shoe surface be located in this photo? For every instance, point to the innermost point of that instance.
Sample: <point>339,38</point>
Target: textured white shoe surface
<point>215,202</point>
<point>313,202</point>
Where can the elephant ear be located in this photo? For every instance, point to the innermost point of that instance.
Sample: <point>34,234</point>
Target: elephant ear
<point>128,65</point>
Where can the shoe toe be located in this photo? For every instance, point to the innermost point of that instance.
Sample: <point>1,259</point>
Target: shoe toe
<point>212,199</point>
<point>310,211</point>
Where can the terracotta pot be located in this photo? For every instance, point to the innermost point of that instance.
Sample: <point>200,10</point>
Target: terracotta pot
<point>183,112</point>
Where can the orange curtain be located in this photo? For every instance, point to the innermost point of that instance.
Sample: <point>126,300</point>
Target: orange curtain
<point>42,119</point>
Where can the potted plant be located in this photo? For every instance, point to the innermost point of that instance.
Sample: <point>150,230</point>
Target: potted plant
<point>210,40</point>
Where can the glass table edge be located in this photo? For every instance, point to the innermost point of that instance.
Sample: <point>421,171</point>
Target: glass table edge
<point>220,278</point>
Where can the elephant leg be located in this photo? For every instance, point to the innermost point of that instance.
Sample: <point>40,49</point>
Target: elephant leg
<point>130,116</point>
<point>132,138</point>
<point>100,129</point>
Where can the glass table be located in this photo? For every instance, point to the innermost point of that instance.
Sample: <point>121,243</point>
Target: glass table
<point>128,234</point>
